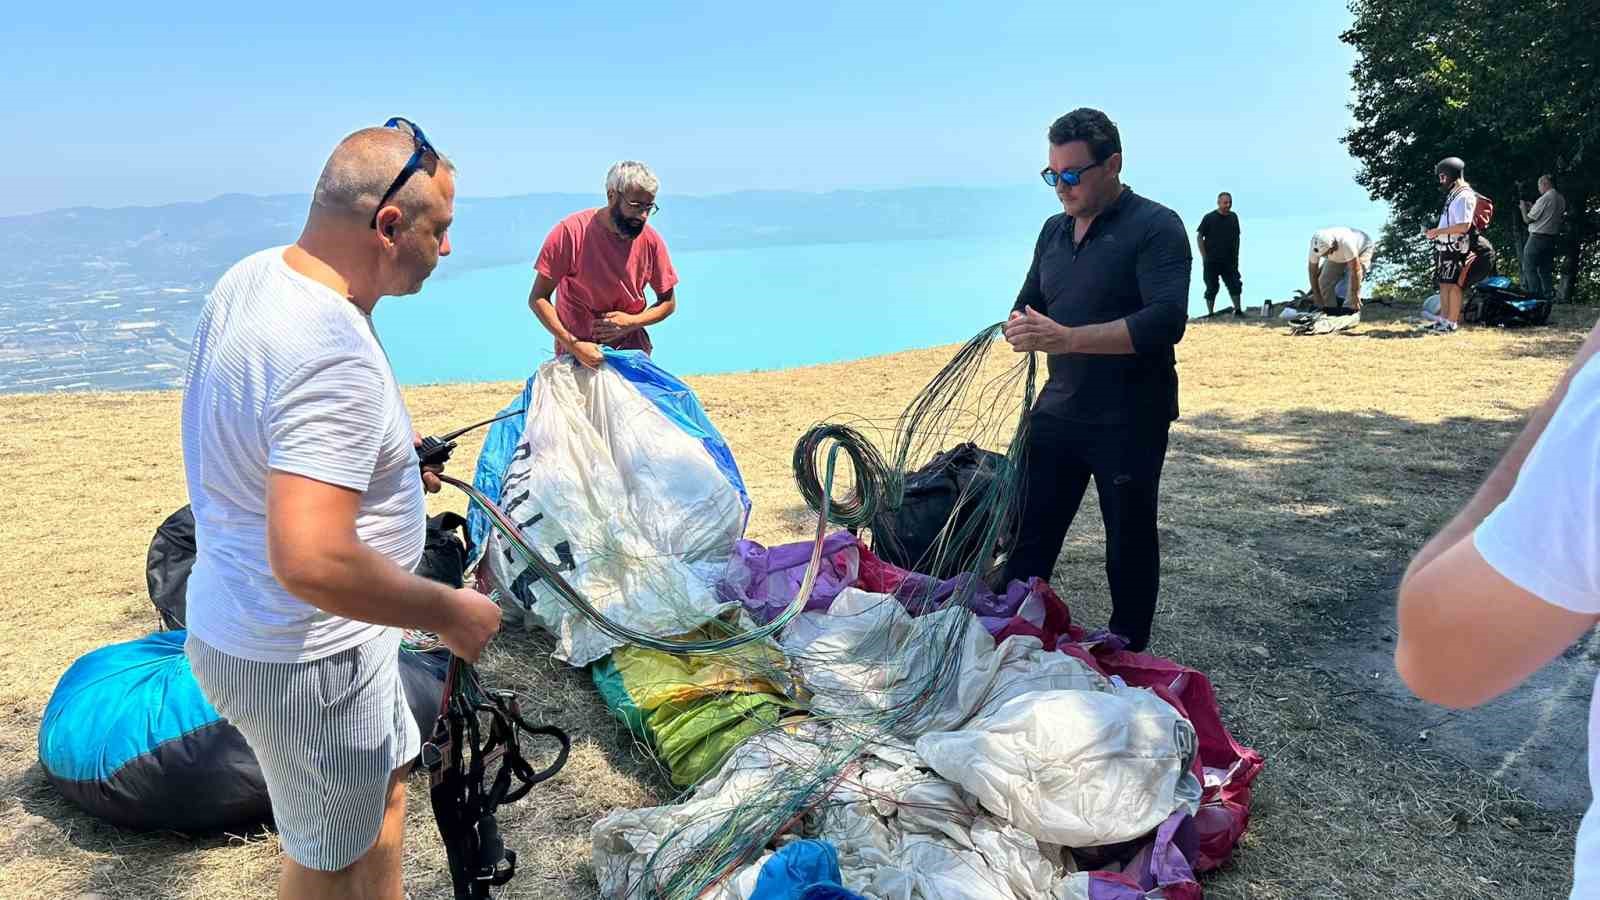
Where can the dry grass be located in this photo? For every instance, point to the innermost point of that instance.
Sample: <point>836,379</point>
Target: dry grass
<point>1304,472</point>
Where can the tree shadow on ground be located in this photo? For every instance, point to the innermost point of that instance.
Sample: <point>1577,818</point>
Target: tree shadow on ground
<point>1388,334</point>
<point>1338,495</point>
<point>1283,534</point>
<point>163,864</point>
<point>1289,530</point>
<point>606,769</point>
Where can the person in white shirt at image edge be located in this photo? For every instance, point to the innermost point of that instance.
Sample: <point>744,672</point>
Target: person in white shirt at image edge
<point>1514,579</point>
<point>308,504</point>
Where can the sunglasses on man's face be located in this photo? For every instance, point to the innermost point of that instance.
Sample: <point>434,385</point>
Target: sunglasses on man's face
<point>420,152</point>
<point>1070,177</point>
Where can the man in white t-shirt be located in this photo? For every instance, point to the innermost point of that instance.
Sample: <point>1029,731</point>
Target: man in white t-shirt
<point>1514,579</point>
<point>1337,254</point>
<point>308,504</point>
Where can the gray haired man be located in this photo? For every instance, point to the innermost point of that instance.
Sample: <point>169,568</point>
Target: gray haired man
<point>597,262</point>
<point>1544,224</point>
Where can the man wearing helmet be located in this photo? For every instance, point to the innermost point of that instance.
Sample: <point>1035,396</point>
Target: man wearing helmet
<point>1462,256</point>
<point>1335,254</point>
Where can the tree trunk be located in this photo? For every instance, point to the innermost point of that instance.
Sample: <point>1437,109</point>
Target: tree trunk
<point>1578,233</point>
<point>1519,233</point>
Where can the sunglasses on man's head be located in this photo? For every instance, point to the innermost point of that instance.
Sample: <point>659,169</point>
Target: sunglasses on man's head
<point>421,150</point>
<point>1070,177</point>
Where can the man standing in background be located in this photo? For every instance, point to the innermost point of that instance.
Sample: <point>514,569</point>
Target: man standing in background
<point>1106,297</point>
<point>597,263</point>
<point>1219,253</point>
<point>1544,223</point>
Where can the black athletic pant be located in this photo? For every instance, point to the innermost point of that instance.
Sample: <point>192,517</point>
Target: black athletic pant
<point>1125,462</point>
<point>1225,270</point>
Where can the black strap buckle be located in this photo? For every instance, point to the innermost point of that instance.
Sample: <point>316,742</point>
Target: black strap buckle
<point>458,756</point>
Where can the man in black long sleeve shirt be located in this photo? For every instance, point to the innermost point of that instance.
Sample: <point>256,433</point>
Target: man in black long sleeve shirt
<point>1106,298</point>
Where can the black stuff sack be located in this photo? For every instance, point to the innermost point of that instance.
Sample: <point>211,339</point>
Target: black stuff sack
<point>938,527</point>
<point>167,567</point>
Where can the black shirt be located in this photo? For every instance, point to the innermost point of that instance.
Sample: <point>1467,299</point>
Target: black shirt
<point>1133,264</point>
<point>1221,233</point>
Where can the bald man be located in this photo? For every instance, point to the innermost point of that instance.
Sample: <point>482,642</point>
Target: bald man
<point>308,507</point>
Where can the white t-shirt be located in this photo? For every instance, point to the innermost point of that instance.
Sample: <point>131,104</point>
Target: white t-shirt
<point>1339,244</point>
<point>286,374</point>
<point>1459,207</point>
<point>1545,539</point>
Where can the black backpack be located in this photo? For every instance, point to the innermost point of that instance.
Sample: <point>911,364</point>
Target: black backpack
<point>172,552</point>
<point>167,565</point>
<point>1494,302</point>
<point>944,491</point>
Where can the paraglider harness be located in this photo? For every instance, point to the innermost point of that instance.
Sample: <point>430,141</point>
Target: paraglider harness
<point>459,757</point>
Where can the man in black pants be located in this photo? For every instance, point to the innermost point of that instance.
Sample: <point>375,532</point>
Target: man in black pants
<point>1106,298</point>
<point>1219,253</point>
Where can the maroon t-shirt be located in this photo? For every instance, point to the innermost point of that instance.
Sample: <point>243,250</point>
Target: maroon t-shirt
<point>597,271</point>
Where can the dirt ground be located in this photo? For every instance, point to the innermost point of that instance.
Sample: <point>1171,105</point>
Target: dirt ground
<point>1302,475</point>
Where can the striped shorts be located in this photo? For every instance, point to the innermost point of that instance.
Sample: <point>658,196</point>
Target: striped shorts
<point>327,733</point>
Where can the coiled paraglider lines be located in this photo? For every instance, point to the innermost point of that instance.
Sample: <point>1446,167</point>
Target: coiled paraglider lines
<point>872,477</point>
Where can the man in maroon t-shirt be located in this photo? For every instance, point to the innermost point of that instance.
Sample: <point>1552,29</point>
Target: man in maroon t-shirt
<point>597,263</point>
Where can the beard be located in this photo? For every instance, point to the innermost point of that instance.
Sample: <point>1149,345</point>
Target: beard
<point>630,228</point>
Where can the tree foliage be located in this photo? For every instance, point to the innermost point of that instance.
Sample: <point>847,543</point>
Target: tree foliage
<point>1512,87</point>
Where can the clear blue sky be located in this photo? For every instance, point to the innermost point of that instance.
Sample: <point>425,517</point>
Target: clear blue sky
<point>131,104</point>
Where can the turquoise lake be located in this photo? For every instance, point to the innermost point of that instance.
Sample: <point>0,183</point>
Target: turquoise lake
<point>784,306</point>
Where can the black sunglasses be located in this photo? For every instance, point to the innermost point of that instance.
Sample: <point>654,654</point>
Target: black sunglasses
<point>1070,176</point>
<point>422,150</point>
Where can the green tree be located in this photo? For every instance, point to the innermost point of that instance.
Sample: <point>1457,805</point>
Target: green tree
<point>1511,86</point>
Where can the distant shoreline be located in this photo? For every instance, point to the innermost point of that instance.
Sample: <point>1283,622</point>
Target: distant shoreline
<point>474,384</point>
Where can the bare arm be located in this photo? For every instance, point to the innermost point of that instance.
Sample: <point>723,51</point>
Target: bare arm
<point>1356,274</point>
<point>1316,283</point>
<point>544,308</point>
<point>315,554</point>
<point>614,326</point>
<point>1531,214</point>
<point>585,352</point>
<point>665,305</point>
<point>1468,634</point>
<point>1498,485</point>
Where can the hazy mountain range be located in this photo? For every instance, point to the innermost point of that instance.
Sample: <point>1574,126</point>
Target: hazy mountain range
<point>195,242</point>
<point>107,298</point>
